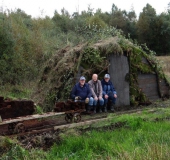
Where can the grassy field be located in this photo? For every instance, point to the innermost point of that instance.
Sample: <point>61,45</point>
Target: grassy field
<point>144,135</point>
<point>165,63</point>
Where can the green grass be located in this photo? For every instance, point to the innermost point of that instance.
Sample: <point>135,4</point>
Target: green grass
<point>139,139</point>
<point>135,140</point>
<point>17,91</point>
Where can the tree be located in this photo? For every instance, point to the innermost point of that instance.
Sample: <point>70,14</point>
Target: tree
<point>146,26</point>
<point>103,16</point>
<point>97,21</point>
<point>163,46</point>
<point>126,21</point>
<point>62,21</point>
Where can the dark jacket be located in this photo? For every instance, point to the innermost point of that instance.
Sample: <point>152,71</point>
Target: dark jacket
<point>84,92</point>
<point>108,87</point>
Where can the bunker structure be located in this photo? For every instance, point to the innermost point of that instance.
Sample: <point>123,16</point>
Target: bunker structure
<point>134,70</point>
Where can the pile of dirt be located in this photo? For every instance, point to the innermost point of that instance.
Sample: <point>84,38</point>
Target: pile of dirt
<point>15,108</point>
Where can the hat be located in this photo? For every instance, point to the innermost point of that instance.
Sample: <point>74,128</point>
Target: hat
<point>106,76</point>
<point>82,78</point>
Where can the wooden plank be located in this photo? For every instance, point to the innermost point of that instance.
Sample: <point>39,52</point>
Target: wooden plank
<point>73,125</point>
<point>31,117</point>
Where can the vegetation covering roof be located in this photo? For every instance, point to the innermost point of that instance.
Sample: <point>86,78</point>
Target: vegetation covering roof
<point>62,69</point>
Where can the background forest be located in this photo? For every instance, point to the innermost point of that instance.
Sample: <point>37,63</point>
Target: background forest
<point>27,43</point>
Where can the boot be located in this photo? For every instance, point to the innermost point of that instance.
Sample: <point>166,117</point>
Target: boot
<point>100,109</point>
<point>112,108</point>
<point>87,108</point>
<point>94,109</point>
<point>105,108</point>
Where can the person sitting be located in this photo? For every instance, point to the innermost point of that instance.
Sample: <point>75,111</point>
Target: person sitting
<point>81,92</point>
<point>109,92</point>
<point>96,89</point>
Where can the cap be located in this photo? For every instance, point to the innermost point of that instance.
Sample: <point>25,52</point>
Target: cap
<point>106,76</point>
<point>82,78</point>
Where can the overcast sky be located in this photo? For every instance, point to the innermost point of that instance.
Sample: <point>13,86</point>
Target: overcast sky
<point>41,8</point>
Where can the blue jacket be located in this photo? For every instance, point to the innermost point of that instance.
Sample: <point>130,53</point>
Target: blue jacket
<point>108,87</point>
<point>83,92</point>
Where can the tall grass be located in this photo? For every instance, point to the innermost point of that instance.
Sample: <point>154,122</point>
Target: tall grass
<point>165,62</point>
<point>133,142</point>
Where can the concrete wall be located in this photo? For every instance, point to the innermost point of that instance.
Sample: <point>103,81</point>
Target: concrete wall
<point>118,69</point>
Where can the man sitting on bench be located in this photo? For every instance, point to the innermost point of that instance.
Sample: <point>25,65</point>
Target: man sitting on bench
<point>81,92</point>
<point>109,92</point>
<point>96,89</point>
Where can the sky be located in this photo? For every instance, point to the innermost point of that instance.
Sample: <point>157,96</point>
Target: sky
<point>42,8</point>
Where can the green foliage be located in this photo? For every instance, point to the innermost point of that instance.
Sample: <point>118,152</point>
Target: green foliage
<point>49,101</point>
<point>92,33</point>
<point>92,144</point>
<point>18,153</point>
<point>126,21</point>
<point>96,21</point>
<point>38,110</point>
<point>146,26</point>
<point>17,91</point>
<point>62,21</point>
<point>91,56</point>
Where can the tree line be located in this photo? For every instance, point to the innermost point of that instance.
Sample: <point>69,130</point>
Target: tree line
<point>150,29</point>
<point>26,43</point>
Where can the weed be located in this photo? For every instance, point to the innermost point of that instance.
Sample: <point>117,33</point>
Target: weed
<point>38,110</point>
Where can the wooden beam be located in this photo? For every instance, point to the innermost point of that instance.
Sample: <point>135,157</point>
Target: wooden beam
<point>31,117</point>
<point>73,125</point>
